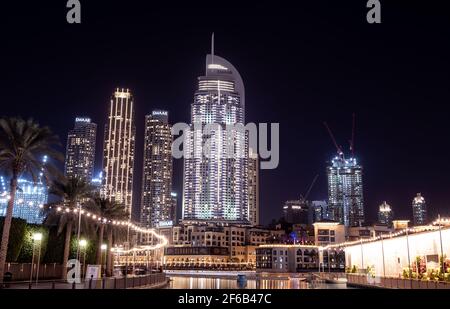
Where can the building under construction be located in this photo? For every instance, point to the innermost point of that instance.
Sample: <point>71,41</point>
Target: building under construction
<point>345,186</point>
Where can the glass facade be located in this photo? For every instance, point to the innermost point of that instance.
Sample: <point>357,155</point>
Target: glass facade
<point>345,191</point>
<point>419,210</point>
<point>385,214</point>
<point>80,152</point>
<point>215,174</point>
<point>157,201</point>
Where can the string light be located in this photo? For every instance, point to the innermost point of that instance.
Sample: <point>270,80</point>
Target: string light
<point>103,220</point>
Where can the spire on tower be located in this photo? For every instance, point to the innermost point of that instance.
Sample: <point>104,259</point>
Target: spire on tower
<point>212,48</point>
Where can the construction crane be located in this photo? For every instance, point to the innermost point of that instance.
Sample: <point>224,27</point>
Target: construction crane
<point>338,148</point>
<point>309,189</point>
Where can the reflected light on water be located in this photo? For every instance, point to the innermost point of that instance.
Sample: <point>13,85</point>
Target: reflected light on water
<point>229,283</point>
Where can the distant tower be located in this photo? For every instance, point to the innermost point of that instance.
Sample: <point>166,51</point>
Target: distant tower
<point>296,211</point>
<point>385,214</point>
<point>345,191</point>
<point>80,152</point>
<point>419,210</point>
<point>118,150</point>
<point>345,186</point>
<point>253,188</point>
<point>156,199</point>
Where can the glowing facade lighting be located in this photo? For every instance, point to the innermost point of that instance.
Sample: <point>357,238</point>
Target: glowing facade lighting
<point>103,247</point>
<point>216,189</point>
<point>29,198</point>
<point>345,191</point>
<point>419,210</point>
<point>119,148</point>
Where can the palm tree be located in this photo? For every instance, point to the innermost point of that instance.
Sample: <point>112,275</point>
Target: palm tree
<point>72,191</point>
<point>117,232</point>
<point>23,144</point>
<point>107,209</point>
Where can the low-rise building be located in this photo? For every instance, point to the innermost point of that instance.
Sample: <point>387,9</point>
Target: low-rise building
<point>328,232</point>
<point>366,232</point>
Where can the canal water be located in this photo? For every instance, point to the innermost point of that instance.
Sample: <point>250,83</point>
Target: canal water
<point>195,282</point>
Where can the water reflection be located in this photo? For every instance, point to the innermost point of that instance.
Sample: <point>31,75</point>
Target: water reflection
<point>263,283</point>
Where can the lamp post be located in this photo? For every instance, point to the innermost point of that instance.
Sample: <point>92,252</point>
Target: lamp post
<point>409,258</point>
<point>442,250</point>
<point>83,244</point>
<point>103,248</point>
<point>382,251</point>
<point>37,237</point>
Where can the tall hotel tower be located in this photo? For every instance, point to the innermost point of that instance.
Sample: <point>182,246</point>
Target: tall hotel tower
<point>345,191</point>
<point>215,185</point>
<point>118,149</point>
<point>80,153</point>
<point>157,208</point>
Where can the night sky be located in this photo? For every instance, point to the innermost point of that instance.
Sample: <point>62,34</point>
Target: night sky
<point>303,62</point>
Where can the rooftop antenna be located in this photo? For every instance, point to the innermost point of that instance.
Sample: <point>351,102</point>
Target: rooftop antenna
<point>352,141</point>
<point>212,48</point>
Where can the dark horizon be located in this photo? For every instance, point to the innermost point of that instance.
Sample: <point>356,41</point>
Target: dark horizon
<point>301,65</point>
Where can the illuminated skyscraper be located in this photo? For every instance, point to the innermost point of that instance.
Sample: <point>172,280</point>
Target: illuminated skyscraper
<point>345,191</point>
<point>385,214</point>
<point>253,188</point>
<point>118,149</point>
<point>80,152</point>
<point>29,200</point>
<point>215,175</point>
<point>156,199</point>
<point>419,210</point>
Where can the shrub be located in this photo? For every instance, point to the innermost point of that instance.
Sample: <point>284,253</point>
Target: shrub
<point>16,237</point>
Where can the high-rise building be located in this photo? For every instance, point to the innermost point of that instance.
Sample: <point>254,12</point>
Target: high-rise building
<point>253,187</point>
<point>174,197</point>
<point>345,191</point>
<point>215,164</point>
<point>156,199</point>
<point>419,210</point>
<point>385,214</point>
<point>80,152</point>
<point>118,149</point>
<point>319,211</point>
<point>30,198</point>
<point>296,211</point>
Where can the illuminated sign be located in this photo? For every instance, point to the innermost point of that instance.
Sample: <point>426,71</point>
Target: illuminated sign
<point>82,119</point>
<point>165,223</point>
<point>159,113</point>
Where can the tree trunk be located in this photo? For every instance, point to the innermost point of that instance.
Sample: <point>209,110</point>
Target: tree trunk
<point>109,260</point>
<point>100,242</point>
<point>7,226</point>
<point>69,227</point>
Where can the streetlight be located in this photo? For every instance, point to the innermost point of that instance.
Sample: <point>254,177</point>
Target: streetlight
<point>83,245</point>
<point>37,237</point>
<point>103,247</point>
